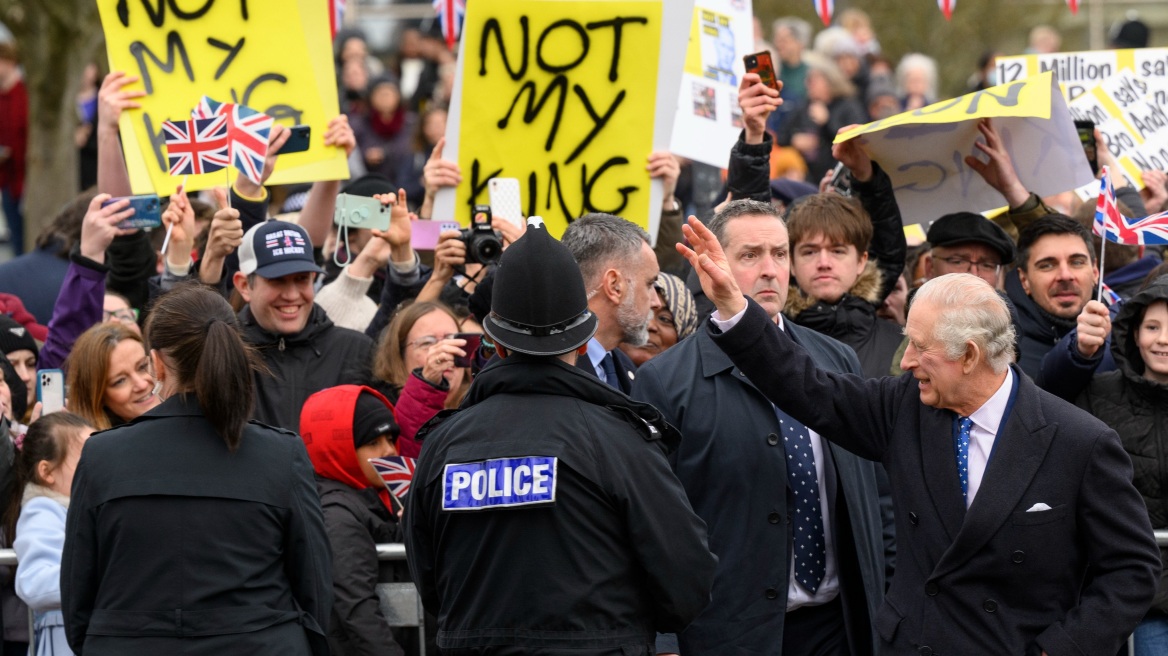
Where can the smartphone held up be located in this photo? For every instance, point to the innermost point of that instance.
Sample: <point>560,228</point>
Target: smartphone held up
<point>760,63</point>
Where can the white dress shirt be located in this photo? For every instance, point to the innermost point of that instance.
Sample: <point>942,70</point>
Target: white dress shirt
<point>797,595</point>
<point>986,421</point>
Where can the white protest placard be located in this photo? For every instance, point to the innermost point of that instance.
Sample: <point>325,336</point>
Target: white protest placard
<point>1078,72</point>
<point>708,117</point>
<point>923,151</point>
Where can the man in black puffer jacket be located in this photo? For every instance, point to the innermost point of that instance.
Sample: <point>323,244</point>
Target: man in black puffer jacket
<point>303,350</point>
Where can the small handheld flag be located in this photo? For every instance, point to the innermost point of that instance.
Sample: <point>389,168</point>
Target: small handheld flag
<point>397,472</point>
<point>1114,226</point>
<point>947,7</point>
<point>247,132</point>
<point>196,146</point>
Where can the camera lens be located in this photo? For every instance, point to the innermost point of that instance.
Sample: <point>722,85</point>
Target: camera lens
<point>489,250</point>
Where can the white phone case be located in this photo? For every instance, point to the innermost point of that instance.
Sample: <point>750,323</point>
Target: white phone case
<point>505,200</point>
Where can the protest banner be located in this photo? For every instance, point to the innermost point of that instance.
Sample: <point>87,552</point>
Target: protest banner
<point>272,55</point>
<point>568,96</point>
<point>923,151</point>
<point>1124,111</point>
<point>708,117</point>
<point>1079,72</point>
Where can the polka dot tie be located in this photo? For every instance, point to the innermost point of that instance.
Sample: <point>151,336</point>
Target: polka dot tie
<point>807,520</point>
<point>964,425</point>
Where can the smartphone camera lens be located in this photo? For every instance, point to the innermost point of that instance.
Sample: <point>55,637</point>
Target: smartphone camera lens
<point>751,61</point>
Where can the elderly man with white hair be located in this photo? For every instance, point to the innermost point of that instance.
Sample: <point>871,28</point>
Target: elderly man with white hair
<point>1018,528</point>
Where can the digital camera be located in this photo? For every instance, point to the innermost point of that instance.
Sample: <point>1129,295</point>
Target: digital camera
<point>483,245</point>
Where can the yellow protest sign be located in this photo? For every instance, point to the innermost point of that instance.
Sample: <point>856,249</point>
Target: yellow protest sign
<point>563,96</point>
<point>271,55</point>
<point>1029,97</point>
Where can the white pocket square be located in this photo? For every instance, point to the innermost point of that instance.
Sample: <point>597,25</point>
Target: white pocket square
<point>1038,507</point>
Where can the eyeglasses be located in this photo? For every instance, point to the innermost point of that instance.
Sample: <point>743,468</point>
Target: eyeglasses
<point>425,342</point>
<point>966,265</point>
<point>126,316</point>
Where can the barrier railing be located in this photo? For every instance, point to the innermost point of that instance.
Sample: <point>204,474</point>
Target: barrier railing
<point>399,602</point>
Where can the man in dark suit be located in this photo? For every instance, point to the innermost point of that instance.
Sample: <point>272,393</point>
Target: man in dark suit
<point>1019,530</point>
<point>735,461</point>
<point>620,271</point>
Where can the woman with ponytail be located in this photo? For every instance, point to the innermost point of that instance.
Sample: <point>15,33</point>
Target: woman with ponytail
<point>190,529</point>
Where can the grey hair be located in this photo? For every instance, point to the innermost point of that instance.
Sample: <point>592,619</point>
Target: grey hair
<point>970,310</point>
<point>799,28</point>
<point>739,208</point>
<point>923,62</point>
<point>598,240</point>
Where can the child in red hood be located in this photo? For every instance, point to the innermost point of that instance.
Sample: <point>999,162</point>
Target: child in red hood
<point>342,428</point>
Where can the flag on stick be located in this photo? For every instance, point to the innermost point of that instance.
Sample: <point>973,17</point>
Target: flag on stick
<point>196,146</point>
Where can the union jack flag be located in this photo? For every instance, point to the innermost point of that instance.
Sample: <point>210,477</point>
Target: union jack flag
<point>206,108</point>
<point>247,130</point>
<point>450,16</point>
<point>1112,224</point>
<point>397,472</point>
<point>946,7</point>
<point>196,146</point>
<point>825,8</point>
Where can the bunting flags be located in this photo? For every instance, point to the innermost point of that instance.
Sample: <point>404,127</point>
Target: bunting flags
<point>450,16</point>
<point>825,8</point>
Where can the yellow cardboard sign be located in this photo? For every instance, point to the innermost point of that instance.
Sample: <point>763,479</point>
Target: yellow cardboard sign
<point>562,96</point>
<point>274,56</point>
<point>1025,98</point>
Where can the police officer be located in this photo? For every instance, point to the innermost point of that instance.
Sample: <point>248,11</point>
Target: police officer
<point>544,517</point>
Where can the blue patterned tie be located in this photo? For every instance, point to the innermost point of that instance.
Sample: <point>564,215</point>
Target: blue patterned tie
<point>609,368</point>
<point>964,425</point>
<point>808,543</point>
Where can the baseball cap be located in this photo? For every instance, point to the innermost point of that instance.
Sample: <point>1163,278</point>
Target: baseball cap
<point>276,248</point>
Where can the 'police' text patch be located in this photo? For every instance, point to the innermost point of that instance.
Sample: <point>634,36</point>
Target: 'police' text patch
<point>500,483</point>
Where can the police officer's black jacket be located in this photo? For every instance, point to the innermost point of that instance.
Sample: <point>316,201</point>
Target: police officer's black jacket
<point>617,556</point>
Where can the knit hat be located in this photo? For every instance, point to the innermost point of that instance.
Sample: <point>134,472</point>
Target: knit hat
<point>15,337</point>
<point>372,418</point>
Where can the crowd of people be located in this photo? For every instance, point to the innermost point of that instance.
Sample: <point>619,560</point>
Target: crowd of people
<point>773,428</point>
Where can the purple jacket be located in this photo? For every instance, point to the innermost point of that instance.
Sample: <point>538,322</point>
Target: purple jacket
<point>78,308</point>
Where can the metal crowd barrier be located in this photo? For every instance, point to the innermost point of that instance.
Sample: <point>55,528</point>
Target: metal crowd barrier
<point>402,607</point>
<point>400,604</point>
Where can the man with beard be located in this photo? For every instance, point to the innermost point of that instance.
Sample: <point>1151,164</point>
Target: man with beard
<point>1056,276</point>
<point>620,271</point>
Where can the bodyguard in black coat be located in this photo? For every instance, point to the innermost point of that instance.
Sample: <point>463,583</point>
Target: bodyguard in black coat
<point>192,531</point>
<point>733,469</point>
<point>1054,553</point>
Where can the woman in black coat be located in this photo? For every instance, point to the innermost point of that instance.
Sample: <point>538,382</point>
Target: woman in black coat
<point>192,530</point>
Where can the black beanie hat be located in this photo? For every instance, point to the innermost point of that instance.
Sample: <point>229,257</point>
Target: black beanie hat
<point>372,418</point>
<point>14,337</point>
